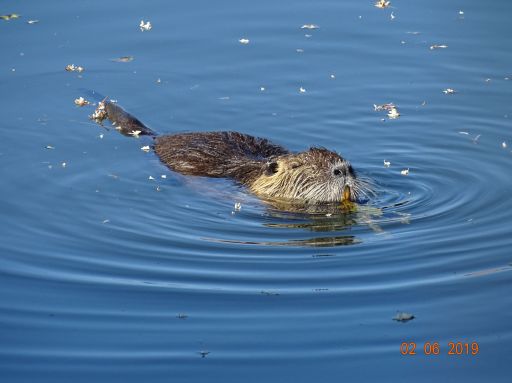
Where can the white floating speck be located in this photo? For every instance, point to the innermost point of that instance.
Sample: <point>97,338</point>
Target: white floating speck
<point>382,4</point>
<point>238,206</point>
<point>405,172</point>
<point>32,21</point>
<point>158,81</point>
<point>449,91</point>
<point>387,164</point>
<point>163,176</point>
<point>145,148</point>
<point>392,16</point>
<point>461,13</point>
<point>50,147</point>
<point>437,46</point>
<point>262,88</point>
<point>333,76</point>
<point>63,164</point>
<point>145,26</point>
<point>393,114</point>
<point>81,101</point>
<point>101,135</point>
<point>328,214</point>
<point>504,145</point>
<point>302,90</point>
<point>105,221</point>
<point>135,133</point>
<point>299,50</point>
<point>244,41</point>
<point>309,26</point>
<point>74,68</point>
<point>151,178</point>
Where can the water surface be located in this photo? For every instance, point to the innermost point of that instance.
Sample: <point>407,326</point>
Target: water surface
<point>107,275</point>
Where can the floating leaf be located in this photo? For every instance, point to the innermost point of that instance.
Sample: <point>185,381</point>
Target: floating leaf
<point>10,16</point>
<point>403,316</point>
<point>123,59</point>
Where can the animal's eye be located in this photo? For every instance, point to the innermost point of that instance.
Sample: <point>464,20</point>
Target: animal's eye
<point>272,168</point>
<point>337,172</point>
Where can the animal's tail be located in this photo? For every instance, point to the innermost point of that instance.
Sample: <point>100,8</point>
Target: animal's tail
<point>123,121</point>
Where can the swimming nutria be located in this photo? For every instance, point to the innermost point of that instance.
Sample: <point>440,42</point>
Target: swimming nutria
<point>316,175</point>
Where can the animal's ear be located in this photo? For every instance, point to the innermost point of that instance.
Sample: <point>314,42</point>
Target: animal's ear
<point>271,168</point>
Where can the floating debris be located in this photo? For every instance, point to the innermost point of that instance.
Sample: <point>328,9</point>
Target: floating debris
<point>302,90</point>
<point>504,145</point>
<point>32,21</point>
<point>403,316</point>
<point>413,33</point>
<point>151,178</point>
<point>50,147</point>
<point>392,16</point>
<point>81,101</point>
<point>393,114</point>
<point>158,81</point>
<point>123,59</point>
<point>449,91</point>
<point>387,164</point>
<point>309,26</point>
<point>328,214</point>
<point>333,76</point>
<point>262,89</point>
<point>163,176</point>
<point>101,135</point>
<point>299,50</point>
<point>99,113</point>
<point>135,133</point>
<point>105,221</point>
<point>382,107</point>
<point>145,26</point>
<point>382,4</point>
<point>465,133</point>
<point>10,16</point>
<point>391,108</point>
<point>182,316</point>
<point>238,206</point>
<point>437,46</point>
<point>244,41</point>
<point>203,353</point>
<point>63,164</point>
<point>405,172</point>
<point>145,148</point>
<point>74,68</point>
<point>461,13</point>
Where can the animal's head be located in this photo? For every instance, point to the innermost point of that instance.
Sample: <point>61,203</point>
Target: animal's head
<point>314,176</point>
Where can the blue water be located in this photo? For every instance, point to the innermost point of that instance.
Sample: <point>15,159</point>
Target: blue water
<point>109,276</point>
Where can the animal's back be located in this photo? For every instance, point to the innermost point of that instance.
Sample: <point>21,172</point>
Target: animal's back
<point>217,154</point>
